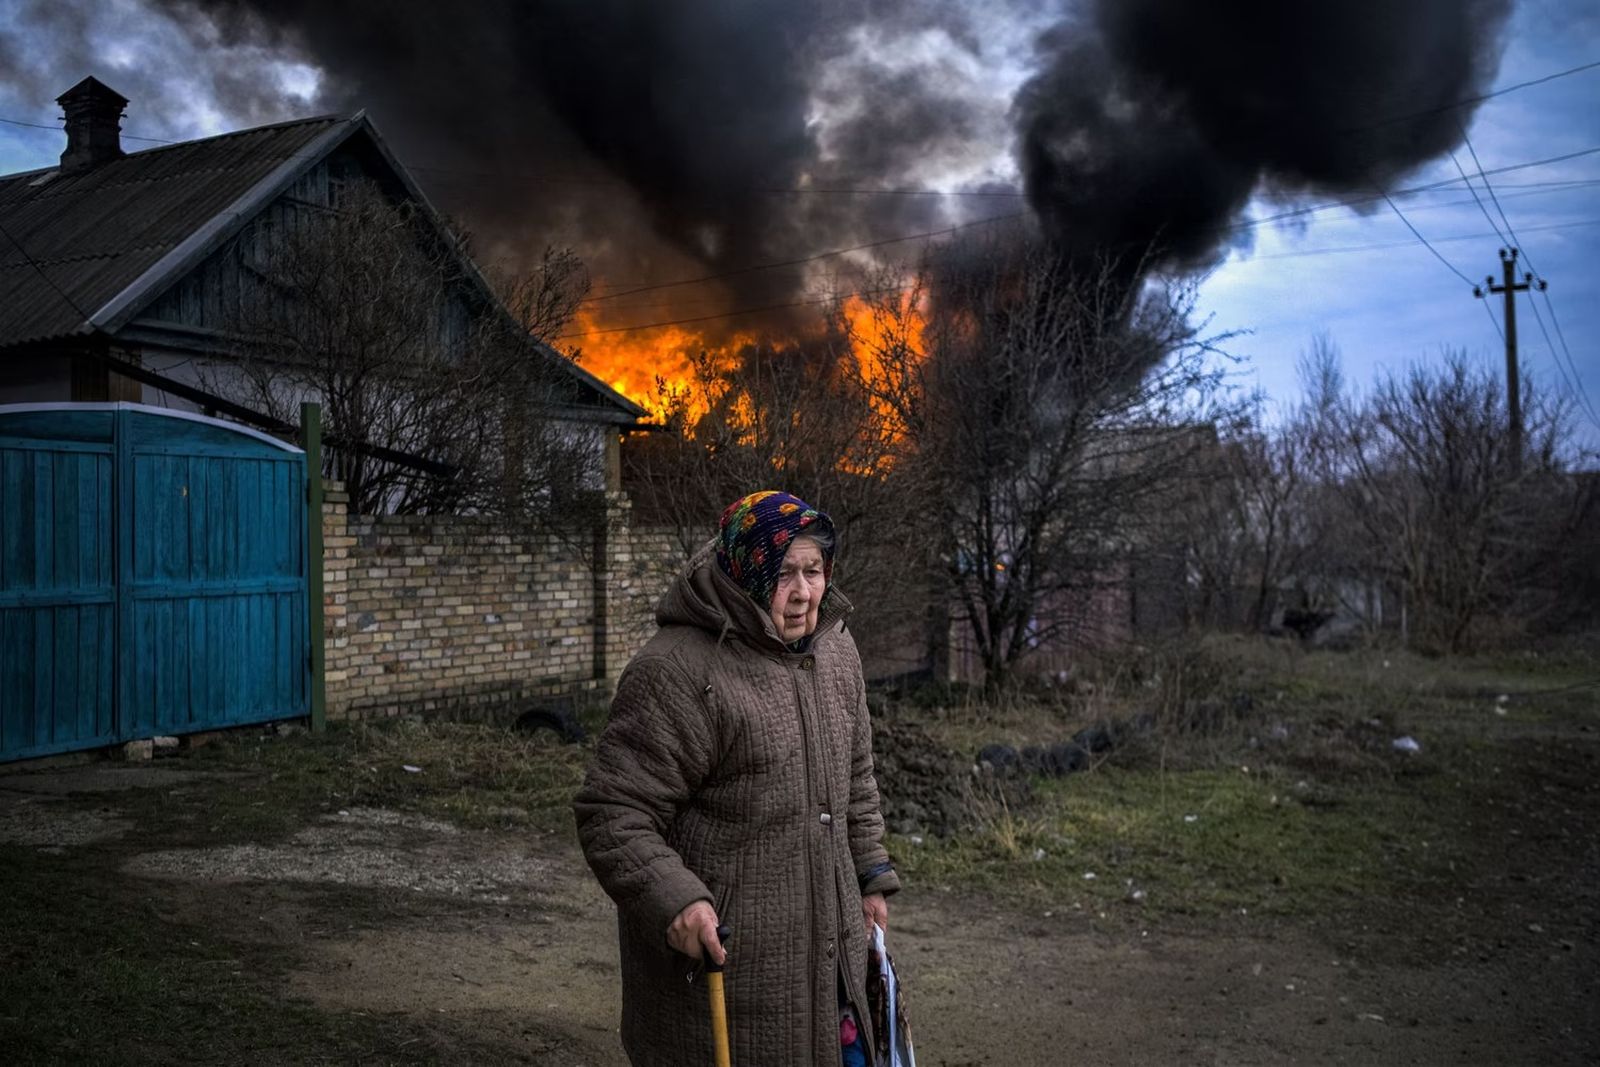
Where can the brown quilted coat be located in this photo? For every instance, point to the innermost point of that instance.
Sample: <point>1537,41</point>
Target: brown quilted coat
<point>735,771</point>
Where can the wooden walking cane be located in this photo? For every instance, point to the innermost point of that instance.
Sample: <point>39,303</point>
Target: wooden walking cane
<point>719,1007</point>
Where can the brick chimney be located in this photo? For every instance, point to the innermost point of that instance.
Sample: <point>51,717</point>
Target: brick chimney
<point>94,125</point>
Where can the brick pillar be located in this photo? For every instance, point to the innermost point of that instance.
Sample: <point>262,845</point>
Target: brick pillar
<point>619,565</point>
<point>336,545</point>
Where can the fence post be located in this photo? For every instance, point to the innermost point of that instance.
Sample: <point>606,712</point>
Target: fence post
<point>311,438</point>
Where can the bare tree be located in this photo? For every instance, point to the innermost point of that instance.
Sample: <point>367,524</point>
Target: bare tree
<point>1250,521</point>
<point>436,398</point>
<point>1432,502</point>
<point>544,299</point>
<point>1221,534</point>
<point>1051,419</point>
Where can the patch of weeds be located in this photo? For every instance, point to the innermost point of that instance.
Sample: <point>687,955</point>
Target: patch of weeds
<point>592,716</point>
<point>1309,691</point>
<point>1018,721</point>
<point>479,776</point>
<point>1203,842</point>
<point>544,805</point>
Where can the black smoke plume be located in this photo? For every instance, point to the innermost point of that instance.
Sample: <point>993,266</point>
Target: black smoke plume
<point>1150,123</point>
<point>665,139</point>
<point>669,138</point>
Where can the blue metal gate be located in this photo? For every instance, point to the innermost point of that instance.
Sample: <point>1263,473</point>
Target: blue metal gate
<point>152,576</point>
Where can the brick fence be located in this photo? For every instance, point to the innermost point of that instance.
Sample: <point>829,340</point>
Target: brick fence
<point>455,616</point>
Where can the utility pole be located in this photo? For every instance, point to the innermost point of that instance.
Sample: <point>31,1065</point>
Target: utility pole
<point>1511,287</point>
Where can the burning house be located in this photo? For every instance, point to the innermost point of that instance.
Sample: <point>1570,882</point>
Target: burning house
<point>126,271</point>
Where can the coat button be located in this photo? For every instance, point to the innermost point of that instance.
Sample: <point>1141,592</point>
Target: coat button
<point>830,950</point>
<point>807,663</point>
<point>825,818</point>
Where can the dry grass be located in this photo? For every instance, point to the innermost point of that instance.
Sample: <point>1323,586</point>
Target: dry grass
<point>1292,802</point>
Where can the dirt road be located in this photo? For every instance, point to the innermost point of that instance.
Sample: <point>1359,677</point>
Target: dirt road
<point>495,946</point>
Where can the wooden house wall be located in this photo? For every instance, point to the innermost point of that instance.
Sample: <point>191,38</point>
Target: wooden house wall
<point>207,301</point>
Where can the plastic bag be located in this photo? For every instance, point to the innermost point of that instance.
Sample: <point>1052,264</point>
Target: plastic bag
<point>892,1034</point>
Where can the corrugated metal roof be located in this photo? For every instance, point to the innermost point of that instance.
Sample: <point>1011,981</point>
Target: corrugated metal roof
<point>93,233</point>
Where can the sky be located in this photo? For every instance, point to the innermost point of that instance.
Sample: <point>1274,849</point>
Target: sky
<point>925,99</point>
<point>1392,302</point>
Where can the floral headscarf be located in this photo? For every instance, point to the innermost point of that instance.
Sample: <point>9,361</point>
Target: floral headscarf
<point>756,531</point>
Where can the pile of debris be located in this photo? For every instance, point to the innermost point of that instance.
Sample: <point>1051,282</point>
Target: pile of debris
<point>1005,762</point>
<point>928,788</point>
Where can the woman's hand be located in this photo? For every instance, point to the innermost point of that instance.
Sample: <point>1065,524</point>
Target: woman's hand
<point>696,926</point>
<point>875,910</point>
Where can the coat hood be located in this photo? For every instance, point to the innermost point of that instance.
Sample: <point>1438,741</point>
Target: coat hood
<point>704,597</point>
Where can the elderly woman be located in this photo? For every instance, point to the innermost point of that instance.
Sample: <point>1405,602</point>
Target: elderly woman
<point>734,784</point>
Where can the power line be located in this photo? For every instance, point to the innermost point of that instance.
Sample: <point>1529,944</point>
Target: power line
<point>808,259</point>
<point>1438,205</point>
<point>1405,117</point>
<point>1389,245</point>
<point>1412,190</point>
<point>827,300</point>
<point>1296,254</point>
<point>1515,240</point>
<point>1494,322</point>
<point>772,190</point>
<point>1243,224</point>
<point>1578,379</point>
<point>73,304</point>
<point>1554,353</point>
<point>1550,307</point>
<point>38,125</point>
<point>1480,98</point>
<point>237,150</point>
<point>1529,189</point>
<point>767,190</point>
<point>1562,337</point>
<point>1555,185</point>
<point>821,190</point>
<point>59,129</point>
<point>1574,388</point>
<point>733,313</point>
<point>548,179</point>
<point>1478,200</point>
<point>1301,212</point>
<point>1418,235</point>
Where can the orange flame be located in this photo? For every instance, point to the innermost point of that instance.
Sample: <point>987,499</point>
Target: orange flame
<point>634,362</point>
<point>886,336</point>
<point>637,363</point>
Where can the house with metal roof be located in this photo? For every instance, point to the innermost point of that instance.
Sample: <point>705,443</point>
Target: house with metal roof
<point>114,265</point>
